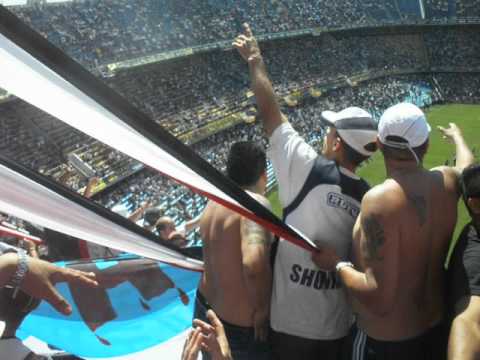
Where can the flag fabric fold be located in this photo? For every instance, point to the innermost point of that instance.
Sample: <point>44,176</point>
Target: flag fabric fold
<point>42,75</point>
<point>27,199</point>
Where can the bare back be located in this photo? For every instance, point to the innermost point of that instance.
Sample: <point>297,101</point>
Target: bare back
<point>418,212</point>
<point>237,277</point>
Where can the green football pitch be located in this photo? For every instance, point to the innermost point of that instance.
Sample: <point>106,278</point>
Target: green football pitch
<point>467,117</point>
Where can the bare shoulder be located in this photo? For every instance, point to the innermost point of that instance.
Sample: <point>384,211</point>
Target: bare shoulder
<point>380,198</point>
<point>468,306</point>
<point>448,175</point>
<point>448,172</point>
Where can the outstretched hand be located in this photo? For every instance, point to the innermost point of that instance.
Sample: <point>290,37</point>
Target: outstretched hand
<point>247,45</point>
<point>450,132</point>
<point>40,280</point>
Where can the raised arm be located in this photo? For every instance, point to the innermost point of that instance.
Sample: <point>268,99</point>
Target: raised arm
<point>256,242</point>
<point>262,87</point>
<point>463,154</point>
<point>137,214</point>
<point>464,340</point>
<point>375,288</point>
<point>92,183</point>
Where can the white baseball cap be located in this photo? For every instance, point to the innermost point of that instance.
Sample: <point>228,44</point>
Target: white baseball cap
<point>356,127</point>
<point>406,123</point>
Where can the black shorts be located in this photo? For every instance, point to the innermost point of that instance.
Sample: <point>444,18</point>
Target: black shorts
<point>241,339</point>
<point>288,347</point>
<point>432,345</point>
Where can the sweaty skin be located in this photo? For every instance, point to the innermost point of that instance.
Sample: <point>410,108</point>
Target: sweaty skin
<point>401,240</point>
<point>237,276</point>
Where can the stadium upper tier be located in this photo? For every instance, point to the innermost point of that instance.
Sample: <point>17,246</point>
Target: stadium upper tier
<point>100,32</point>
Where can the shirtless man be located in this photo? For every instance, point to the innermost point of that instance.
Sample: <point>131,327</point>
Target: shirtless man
<point>237,279</point>
<point>401,240</point>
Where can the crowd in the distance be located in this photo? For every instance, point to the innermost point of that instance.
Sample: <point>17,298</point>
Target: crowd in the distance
<point>96,33</point>
<point>186,94</point>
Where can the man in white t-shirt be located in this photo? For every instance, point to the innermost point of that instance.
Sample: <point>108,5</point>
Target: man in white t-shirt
<point>310,316</point>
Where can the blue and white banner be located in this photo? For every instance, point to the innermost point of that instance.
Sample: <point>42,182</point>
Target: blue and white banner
<point>142,309</point>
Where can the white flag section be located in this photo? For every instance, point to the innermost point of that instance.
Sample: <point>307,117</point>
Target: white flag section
<point>27,199</point>
<point>30,80</point>
<point>171,349</point>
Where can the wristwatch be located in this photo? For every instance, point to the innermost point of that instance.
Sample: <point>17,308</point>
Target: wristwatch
<point>16,280</point>
<point>341,264</point>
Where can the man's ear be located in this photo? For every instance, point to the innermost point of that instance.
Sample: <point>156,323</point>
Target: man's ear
<point>337,143</point>
<point>264,174</point>
<point>474,205</point>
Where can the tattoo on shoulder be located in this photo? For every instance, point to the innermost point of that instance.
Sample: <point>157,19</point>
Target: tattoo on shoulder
<point>257,240</point>
<point>420,205</point>
<point>374,237</point>
<point>255,234</point>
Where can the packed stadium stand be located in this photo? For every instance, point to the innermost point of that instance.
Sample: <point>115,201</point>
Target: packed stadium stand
<point>176,64</point>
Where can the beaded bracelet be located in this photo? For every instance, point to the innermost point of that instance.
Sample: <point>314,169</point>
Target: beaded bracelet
<point>22,269</point>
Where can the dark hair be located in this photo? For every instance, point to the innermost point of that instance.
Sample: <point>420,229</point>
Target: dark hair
<point>470,181</point>
<point>246,163</point>
<point>352,156</point>
<point>152,215</point>
<point>405,154</point>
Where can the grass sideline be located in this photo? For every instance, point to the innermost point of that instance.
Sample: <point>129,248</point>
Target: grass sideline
<point>467,117</point>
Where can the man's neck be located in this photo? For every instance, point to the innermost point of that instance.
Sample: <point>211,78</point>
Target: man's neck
<point>348,166</point>
<point>395,167</point>
<point>342,163</point>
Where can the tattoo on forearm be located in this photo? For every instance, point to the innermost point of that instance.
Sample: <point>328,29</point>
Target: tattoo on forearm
<point>374,238</point>
<point>420,205</point>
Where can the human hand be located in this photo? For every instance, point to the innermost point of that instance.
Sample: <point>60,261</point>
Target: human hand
<point>326,257</point>
<point>247,45</point>
<point>42,276</point>
<point>451,132</point>
<point>94,180</point>
<point>192,345</point>
<point>214,337</point>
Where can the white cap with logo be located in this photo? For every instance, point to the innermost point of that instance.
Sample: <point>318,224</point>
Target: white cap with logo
<point>356,127</point>
<point>403,126</point>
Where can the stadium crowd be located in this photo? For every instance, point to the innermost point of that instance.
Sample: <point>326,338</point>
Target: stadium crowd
<point>96,33</point>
